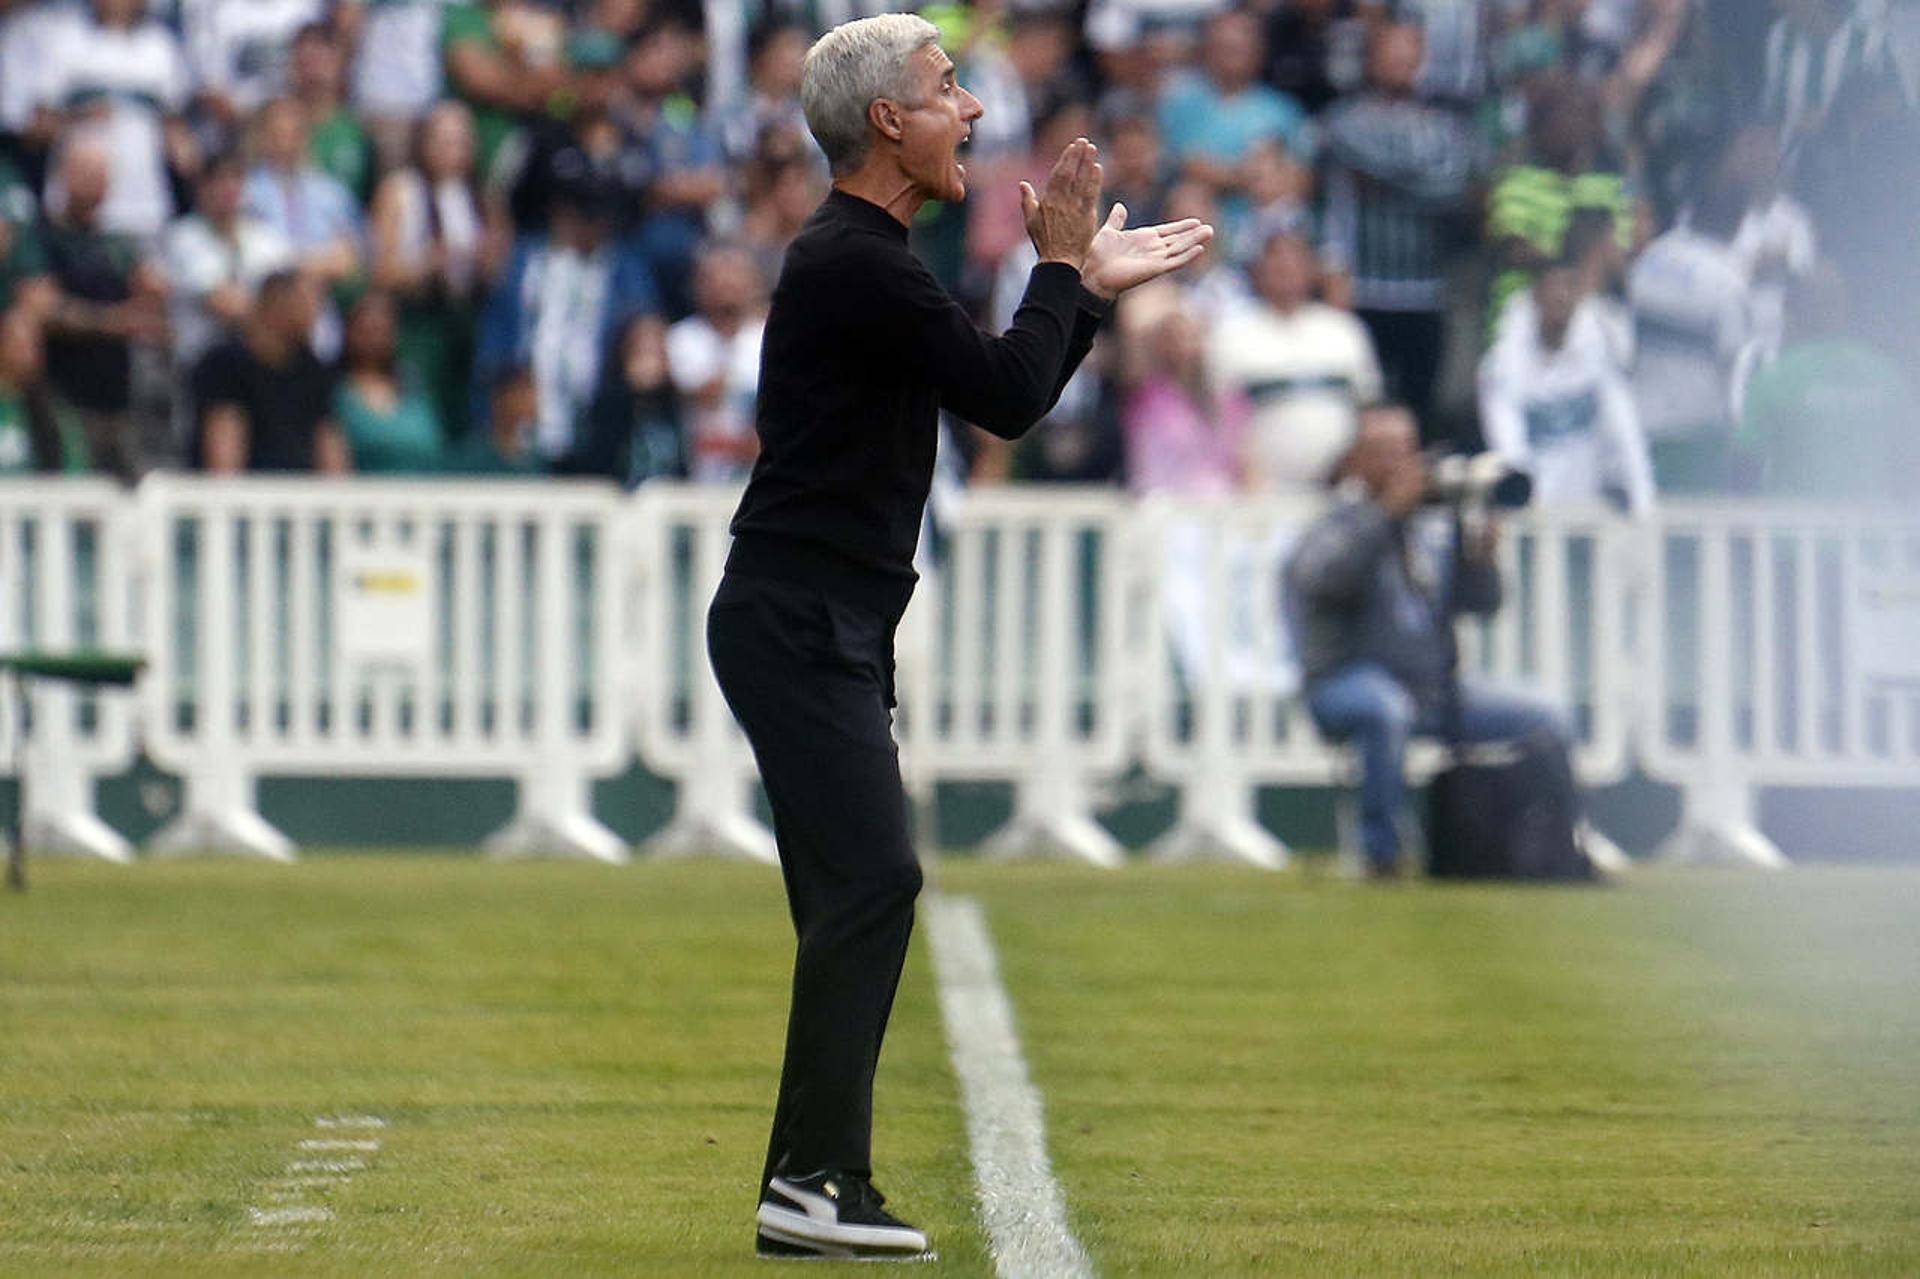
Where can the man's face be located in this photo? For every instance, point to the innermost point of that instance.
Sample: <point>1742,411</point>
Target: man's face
<point>316,64</point>
<point>283,135</point>
<point>118,13</point>
<point>87,174</point>
<point>1388,443</point>
<point>1557,295</point>
<point>220,193</point>
<point>1136,153</point>
<point>937,117</point>
<point>777,69</point>
<point>1285,273</point>
<point>1394,65</point>
<point>726,284</point>
<point>655,65</point>
<point>296,310</point>
<point>578,225</point>
<point>1233,50</point>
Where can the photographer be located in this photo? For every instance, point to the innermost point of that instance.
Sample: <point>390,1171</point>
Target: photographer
<point>1365,595</point>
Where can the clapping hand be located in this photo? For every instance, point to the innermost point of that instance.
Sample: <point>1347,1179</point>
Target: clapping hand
<point>1062,219</point>
<point>1121,259</point>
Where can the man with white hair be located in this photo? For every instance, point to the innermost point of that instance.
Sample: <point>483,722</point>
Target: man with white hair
<point>862,350</point>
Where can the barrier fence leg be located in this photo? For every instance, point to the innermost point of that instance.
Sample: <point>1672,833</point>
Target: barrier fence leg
<point>1052,815</point>
<point>1217,820</point>
<point>217,815</point>
<point>1718,828</point>
<point>553,817</point>
<point>712,818</point>
<point>59,816</point>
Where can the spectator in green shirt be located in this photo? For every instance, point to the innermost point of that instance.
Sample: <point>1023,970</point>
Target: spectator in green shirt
<point>23,258</point>
<point>505,59</point>
<point>336,141</point>
<point>1532,204</point>
<point>503,446</point>
<point>1833,417</point>
<point>31,438</point>
<point>391,427</point>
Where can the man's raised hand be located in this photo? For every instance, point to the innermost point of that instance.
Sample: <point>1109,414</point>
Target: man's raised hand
<point>1061,220</point>
<point>1120,259</point>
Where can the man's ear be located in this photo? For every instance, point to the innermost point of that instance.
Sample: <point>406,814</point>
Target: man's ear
<point>884,115</point>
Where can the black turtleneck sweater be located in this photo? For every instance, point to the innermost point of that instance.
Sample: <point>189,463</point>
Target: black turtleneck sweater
<point>862,349</point>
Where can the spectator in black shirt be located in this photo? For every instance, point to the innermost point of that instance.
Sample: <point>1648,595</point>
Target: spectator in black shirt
<point>264,403</point>
<point>109,298</point>
<point>634,433</point>
<point>1300,48</point>
<point>862,351</point>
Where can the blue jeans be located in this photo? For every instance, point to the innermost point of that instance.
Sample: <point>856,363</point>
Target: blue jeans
<point>1364,705</point>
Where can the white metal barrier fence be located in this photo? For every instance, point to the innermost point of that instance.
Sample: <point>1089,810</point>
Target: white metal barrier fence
<point>1015,662</point>
<point>65,583</point>
<point>383,628</point>
<point>1788,655</point>
<point>682,727</point>
<point>548,631</point>
<point>1011,666</point>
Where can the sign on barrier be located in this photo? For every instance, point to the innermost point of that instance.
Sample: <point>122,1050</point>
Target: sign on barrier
<point>268,598</point>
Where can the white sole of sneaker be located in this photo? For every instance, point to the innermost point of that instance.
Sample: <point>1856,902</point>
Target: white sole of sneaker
<point>790,1226</point>
<point>817,1251</point>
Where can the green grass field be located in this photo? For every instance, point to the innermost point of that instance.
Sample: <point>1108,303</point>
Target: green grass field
<point>1244,1074</point>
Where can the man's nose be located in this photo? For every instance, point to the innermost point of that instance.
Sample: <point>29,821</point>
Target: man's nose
<point>971,108</point>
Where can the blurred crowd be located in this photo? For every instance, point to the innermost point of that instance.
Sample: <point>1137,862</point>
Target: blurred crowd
<point>1639,246</point>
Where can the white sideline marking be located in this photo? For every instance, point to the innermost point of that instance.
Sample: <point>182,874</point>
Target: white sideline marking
<point>288,1216</point>
<point>348,1121</point>
<point>1020,1202</point>
<point>315,1143</point>
<point>283,1189</point>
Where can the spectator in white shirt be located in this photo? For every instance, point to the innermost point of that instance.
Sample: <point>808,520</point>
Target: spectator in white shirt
<point>1692,303</point>
<point>1554,402</point>
<point>1777,241</point>
<point>216,256</point>
<point>111,66</point>
<point>240,48</point>
<point>1593,245</point>
<point>713,357</point>
<point>1307,368</point>
<point>396,70</point>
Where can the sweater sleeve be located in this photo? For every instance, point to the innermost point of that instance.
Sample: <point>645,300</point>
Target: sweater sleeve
<point>1339,556</point>
<point>1503,422</point>
<point>1003,384</point>
<point>1626,444</point>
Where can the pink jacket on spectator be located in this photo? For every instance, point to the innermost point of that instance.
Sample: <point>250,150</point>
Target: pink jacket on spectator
<point>1178,445</point>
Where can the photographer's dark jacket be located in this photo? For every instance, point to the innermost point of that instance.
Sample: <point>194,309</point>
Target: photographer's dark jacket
<point>1363,587</point>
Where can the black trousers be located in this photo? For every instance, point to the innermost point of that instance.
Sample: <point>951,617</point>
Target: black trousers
<point>811,681</point>
<point>1411,345</point>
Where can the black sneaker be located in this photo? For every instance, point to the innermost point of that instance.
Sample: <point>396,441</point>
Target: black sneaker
<point>832,1215</point>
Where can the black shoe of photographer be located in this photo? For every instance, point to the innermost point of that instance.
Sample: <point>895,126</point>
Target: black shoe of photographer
<point>832,1216</point>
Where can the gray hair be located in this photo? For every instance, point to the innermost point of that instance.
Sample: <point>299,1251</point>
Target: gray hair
<point>848,68</point>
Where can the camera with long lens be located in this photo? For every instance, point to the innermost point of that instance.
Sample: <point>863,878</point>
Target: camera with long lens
<point>1483,480</point>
